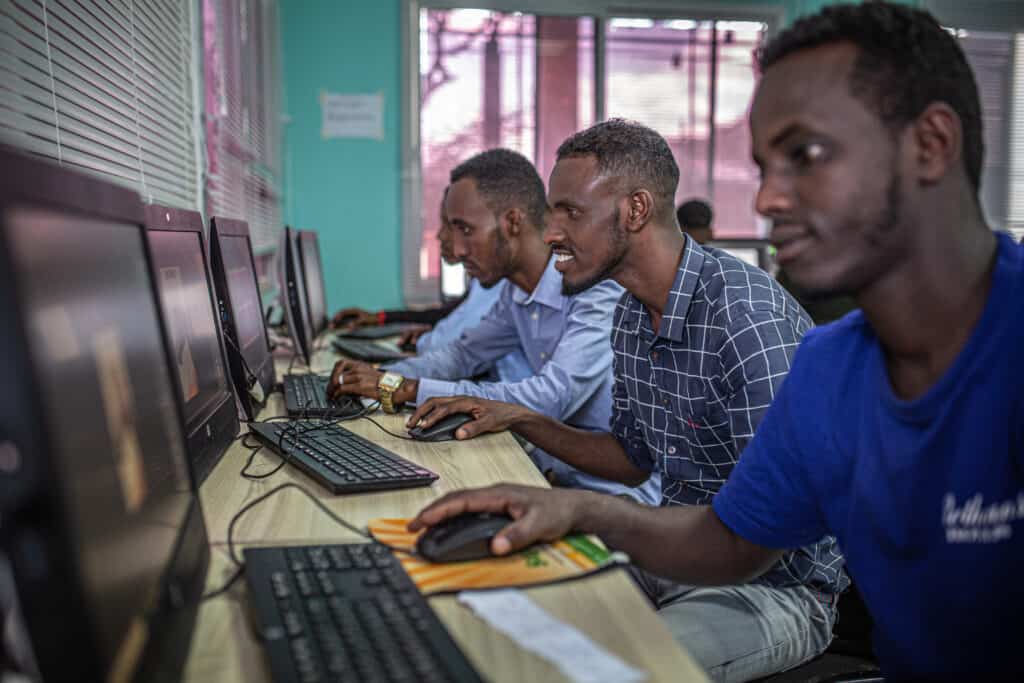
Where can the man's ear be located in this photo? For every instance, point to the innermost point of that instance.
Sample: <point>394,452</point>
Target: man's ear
<point>638,209</point>
<point>512,222</point>
<point>937,138</point>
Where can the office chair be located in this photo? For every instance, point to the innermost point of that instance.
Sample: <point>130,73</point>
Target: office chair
<point>849,658</point>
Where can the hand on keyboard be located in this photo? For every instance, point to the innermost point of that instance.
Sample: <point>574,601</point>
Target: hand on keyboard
<point>359,378</point>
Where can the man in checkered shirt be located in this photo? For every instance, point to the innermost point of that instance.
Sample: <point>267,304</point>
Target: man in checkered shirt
<point>702,342</point>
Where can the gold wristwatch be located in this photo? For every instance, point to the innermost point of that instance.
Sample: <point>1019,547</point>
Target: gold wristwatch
<point>388,384</point>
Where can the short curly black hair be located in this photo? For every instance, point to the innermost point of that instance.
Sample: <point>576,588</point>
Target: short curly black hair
<point>906,61</point>
<point>633,151</point>
<point>694,214</point>
<point>506,180</point>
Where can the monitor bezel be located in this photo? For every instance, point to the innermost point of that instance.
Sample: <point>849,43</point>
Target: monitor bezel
<point>232,227</point>
<point>292,283</point>
<point>37,542</point>
<point>212,432</point>
<point>316,326</point>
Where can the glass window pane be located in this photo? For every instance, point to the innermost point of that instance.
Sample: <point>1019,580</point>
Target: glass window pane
<point>736,177</point>
<point>486,80</point>
<point>660,73</point>
<point>477,78</point>
<point>565,80</point>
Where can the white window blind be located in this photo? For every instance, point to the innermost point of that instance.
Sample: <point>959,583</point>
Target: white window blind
<point>992,35</point>
<point>243,95</point>
<point>106,86</point>
<point>1015,220</point>
<point>990,55</point>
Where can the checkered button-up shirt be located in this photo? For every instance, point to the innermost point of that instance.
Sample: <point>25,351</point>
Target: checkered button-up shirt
<point>687,399</point>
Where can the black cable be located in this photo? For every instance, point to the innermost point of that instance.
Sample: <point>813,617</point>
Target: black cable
<point>288,485</point>
<point>237,574</point>
<point>386,430</point>
<point>286,456</point>
<point>294,431</point>
<point>254,448</point>
<point>250,376</point>
<point>252,454</point>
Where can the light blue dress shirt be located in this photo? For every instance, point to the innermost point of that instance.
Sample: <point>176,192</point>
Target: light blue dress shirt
<point>566,341</point>
<point>479,300</point>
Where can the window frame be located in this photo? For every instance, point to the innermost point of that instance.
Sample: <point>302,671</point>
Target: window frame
<point>417,290</point>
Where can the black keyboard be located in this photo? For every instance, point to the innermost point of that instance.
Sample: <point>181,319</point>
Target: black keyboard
<point>306,396</point>
<point>366,350</point>
<point>341,461</point>
<point>347,613</point>
<point>377,331</point>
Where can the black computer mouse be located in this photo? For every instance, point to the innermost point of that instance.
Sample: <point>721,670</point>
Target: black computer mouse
<point>407,346</point>
<point>465,537</point>
<point>443,429</point>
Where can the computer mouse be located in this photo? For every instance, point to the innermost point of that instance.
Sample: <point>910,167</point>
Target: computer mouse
<point>443,429</point>
<point>461,538</point>
<point>407,346</point>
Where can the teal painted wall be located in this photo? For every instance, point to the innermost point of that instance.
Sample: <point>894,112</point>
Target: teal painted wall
<point>350,190</point>
<point>346,189</point>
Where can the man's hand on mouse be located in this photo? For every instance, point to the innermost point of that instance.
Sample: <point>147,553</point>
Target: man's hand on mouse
<point>411,335</point>
<point>538,514</point>
<point>354,377</point>
<point>351,318</point>
<point>488,416</point>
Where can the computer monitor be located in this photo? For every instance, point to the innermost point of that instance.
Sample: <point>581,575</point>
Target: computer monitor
<point>755,252</point>
<point>178,252</point>
<point>103,534</point>
<point>241,313</point>
<point>293,292</point>
<point>313,272</point>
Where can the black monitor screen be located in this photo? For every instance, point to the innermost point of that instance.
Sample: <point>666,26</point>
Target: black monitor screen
<point>313,269</point>
<point>99,358</point>
<point>191,328</point>
<point>245,298</point>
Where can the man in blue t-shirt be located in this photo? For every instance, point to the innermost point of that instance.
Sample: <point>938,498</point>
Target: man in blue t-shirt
<point>900,428</point>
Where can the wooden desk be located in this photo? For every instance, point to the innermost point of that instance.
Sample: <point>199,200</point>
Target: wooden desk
<point>289,517</point>
<point>607,607</point>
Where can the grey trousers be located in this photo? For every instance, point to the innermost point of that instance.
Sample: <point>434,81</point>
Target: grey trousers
<point>737,633</point>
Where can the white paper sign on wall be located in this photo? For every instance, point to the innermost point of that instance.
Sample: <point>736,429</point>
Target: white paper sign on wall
<point>351,115</point>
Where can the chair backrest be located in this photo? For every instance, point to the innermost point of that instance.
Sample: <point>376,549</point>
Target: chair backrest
<point>852,632</point>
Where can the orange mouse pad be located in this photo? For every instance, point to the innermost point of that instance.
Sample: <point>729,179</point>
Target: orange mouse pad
<point>571,557</point>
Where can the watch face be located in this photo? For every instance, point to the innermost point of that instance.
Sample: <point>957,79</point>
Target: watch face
<point>391,380</point>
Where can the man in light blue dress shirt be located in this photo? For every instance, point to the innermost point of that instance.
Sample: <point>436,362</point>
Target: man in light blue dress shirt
<point>468,314</point>
<point>495,206</point>
<point>479,300</point>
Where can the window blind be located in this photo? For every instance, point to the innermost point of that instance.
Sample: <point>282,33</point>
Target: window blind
<point>990,56</point>
<point>1000,75</point>
<point>1015,210</point>
<point>243,88</point>
<point>105,86</point>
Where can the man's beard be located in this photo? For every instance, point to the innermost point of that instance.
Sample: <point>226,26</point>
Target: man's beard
<point>887,219</point>
<point>500,256</point>
<point>617,244</point>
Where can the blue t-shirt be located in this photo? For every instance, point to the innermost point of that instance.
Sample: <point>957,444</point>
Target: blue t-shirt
<point>926,497</point>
